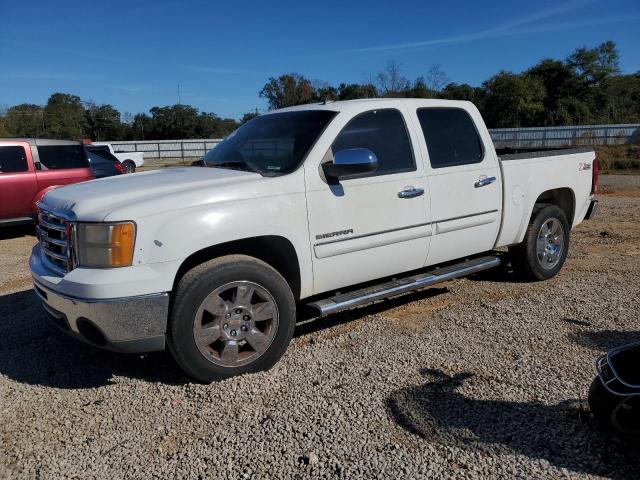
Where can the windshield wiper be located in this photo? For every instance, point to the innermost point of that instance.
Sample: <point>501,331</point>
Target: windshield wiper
<point>234,164</point>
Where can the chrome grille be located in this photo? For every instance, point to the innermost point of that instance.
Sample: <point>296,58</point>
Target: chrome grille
<point>55,230</point>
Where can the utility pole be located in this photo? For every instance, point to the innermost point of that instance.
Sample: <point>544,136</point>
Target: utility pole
<point>179,96</point>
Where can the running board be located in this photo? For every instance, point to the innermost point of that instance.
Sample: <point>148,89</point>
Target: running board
<point>343,301</point>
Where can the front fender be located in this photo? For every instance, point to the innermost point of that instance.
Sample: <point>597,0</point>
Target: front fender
<point>176,235</point>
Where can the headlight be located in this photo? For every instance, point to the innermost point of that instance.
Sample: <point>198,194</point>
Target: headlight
<point>105,245</point>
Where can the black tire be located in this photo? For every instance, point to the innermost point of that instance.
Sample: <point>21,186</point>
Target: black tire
<point>197,285</point>
<point>524,256</point>
<point>129,166</point>
<point>615,413</point>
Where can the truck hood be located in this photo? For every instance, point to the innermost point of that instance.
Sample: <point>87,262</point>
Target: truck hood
<point>163,189</point>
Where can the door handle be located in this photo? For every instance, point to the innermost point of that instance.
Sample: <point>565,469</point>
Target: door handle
<point>411,192</point>
<point>483,182</point>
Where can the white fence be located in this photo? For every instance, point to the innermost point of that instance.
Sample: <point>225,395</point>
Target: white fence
<point>169,151</point>
<point>550,137</point>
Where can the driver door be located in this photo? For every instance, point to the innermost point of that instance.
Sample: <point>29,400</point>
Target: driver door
<point>371,225</point>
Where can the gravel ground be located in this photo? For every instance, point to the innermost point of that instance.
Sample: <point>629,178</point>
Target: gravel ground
<point>481,377</point>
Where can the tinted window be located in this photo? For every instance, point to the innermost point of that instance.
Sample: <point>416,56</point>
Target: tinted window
<point>272,144</point>
<point>451,136</point>
<point>56,157</point>
<point>384,133</point>
<point>13,159</point>
<point>102,152</point>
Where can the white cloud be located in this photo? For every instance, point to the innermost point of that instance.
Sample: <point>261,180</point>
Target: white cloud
<point>518,26</point>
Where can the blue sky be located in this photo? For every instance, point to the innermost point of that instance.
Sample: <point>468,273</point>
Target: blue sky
<point>134,54</point>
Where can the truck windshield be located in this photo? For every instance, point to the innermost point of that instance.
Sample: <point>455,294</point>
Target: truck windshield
<point>272,144</point>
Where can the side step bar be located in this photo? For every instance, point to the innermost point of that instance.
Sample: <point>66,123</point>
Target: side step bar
<point>392,288</point>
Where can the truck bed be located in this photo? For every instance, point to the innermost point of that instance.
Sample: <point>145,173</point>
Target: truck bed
<point>561,172</point>
<point>506,154</point>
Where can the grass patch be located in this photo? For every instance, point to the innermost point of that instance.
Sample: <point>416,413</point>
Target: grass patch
<point>618,157</point>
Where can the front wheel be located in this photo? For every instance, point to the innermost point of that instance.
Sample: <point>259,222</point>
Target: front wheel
<point>231,315</point>
<point>617,414</point>
<point>544,249</point>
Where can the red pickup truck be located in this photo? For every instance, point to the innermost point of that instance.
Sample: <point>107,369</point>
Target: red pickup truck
<point>29,168</point>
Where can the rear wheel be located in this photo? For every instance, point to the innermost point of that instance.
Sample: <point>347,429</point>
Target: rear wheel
<point>231,315</point>
<point>129,166</point>
<point>544,249</point>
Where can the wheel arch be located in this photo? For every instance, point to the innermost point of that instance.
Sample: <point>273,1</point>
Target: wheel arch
<point>564,198</point>
<point>274,250</point>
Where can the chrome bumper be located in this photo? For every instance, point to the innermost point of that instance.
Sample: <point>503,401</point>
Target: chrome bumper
<point>130,324</point>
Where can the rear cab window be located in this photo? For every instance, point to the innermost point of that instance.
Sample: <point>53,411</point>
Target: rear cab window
<point>13,159</point>
<point>102,152</point>
<point>384,133</point>
<point>451,137</point>
<point>61,157</point>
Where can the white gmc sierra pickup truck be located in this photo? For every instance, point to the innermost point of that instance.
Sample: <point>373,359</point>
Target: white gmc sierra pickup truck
<point>328,205</point>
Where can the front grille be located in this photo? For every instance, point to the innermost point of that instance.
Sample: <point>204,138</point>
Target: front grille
<point>54,233</point>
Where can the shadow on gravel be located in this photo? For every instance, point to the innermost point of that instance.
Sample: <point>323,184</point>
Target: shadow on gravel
<point>604,339</point>
<point>7,233</point>
<point>564,434</point>
<point>35,352</point>
<point>311,325</point>
<point>502,274</point>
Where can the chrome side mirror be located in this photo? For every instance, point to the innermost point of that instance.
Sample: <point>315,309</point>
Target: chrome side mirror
<point>351,161</point>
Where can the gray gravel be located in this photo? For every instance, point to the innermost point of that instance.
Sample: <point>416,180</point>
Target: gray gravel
<point>482,377</point>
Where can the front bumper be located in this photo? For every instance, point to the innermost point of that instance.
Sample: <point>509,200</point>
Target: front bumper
<point>129,324</point>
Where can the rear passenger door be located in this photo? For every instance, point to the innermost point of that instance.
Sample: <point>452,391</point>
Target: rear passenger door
<point>17,180</point>
<point>464,183</point>
<point>60,164</point>
<point>364,227</point>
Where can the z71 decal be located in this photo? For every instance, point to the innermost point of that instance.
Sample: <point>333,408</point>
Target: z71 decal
<point>584,166</point>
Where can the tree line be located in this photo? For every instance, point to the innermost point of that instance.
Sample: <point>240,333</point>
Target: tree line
<point>67,116</point>
<point>585,88</point>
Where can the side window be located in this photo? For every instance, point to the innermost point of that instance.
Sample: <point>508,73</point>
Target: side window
<point>58,157</point>
<point>385,134</point>
<point>13,159</point>
<point>451,136</point>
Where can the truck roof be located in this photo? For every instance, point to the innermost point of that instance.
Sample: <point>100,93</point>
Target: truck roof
<point>40,141</point>
<point>345,105</point>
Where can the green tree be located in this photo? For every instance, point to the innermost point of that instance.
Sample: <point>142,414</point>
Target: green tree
<point>325,93</point>
<point>597,64</point>
<point>3,130</point>
<point>64,117</point>
<point>248,116</point>
<point>571,111</point>
<point>288,90</point>
<point>352,91</point>
<point>174,122</point>
<point>464,91</point>
<point>420,89</point>
<point>211,125</point>
<point>623,99</point>
<point>25,120</point>
<point>512,100</point>
<point>103,122</point>
<point>561,82</point>
<point>141,128</point>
